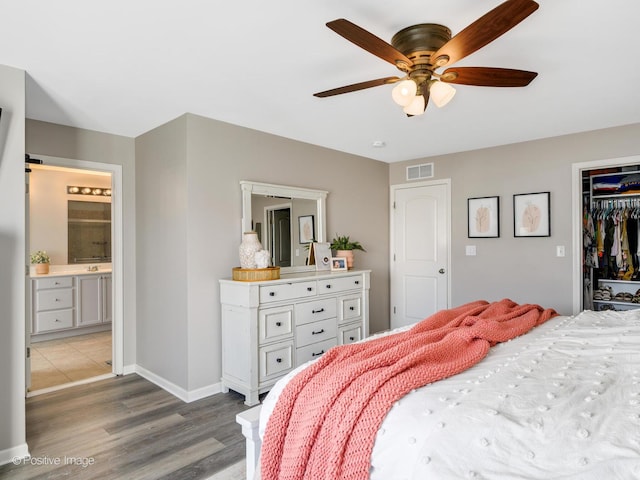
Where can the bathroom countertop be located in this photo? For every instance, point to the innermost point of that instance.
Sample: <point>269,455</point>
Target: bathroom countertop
<point>65,270</point>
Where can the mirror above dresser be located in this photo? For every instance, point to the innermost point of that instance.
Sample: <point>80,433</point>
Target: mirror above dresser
<point>286,219</point>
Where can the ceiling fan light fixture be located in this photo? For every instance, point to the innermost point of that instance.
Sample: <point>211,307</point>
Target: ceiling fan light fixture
<point>416,107</point>
<point>404,92</point>
<point>441,93</point>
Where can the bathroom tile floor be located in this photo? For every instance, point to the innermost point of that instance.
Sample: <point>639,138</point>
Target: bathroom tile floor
<point>56,362</point>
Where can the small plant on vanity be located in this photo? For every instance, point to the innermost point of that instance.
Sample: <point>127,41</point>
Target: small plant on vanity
<point>344,247</point>
<point>41,260</point>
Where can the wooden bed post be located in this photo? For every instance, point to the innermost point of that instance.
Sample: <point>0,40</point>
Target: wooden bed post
<point>250,422</point>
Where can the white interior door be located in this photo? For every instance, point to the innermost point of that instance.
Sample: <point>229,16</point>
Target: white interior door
<point>420,245</point>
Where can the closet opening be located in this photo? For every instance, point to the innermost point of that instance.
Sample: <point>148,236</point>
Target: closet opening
<point>610,233</point>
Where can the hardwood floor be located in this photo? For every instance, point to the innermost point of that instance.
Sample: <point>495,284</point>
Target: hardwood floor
<point>128,428</point>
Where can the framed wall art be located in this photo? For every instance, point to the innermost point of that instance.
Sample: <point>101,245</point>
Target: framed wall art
<point>305,228</point>
<point>532,214</point>
<point>483,217</point>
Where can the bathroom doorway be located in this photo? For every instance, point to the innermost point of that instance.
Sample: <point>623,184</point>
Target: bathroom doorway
<point>74,325</point>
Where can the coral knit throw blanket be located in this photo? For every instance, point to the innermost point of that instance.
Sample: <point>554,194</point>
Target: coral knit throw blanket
<point>326,419</point>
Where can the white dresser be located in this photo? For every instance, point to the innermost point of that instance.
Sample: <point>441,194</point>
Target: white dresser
<point>269,328</point>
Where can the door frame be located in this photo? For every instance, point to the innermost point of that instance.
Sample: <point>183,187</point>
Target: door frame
<point>446,182</point>
<point>576,216</point>
<point>117,260</point>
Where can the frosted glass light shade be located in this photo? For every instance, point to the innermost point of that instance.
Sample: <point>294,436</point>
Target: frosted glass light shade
<point>441,93</point>
<point>404,92</point>
<point>416,107</point>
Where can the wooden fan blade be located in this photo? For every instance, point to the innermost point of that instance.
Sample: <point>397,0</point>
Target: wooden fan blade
<point>488,77</point>
<point>483,31</point>
<point>357,86</point>
<point>369,42</point>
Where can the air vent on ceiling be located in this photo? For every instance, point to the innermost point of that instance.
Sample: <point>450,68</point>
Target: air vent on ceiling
<point>417,172</point>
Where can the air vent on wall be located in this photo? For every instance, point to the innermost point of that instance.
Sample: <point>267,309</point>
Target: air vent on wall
<point>417,172</point>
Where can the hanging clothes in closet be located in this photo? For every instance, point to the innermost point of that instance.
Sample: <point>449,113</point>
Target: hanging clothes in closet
<point>611,231</point>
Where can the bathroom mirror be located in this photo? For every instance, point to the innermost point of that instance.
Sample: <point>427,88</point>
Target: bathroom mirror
<point>286,219</point>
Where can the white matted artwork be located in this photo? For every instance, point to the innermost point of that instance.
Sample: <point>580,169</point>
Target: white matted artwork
<point>483,217</point>
<point>320,255</point>
<point>532,214</point>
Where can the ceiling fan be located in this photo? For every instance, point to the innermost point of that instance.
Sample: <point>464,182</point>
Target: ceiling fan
<point>418,51</point>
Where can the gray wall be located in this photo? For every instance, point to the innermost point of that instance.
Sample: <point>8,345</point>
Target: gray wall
<point>12,264</point>
<point>203,179</point>
<point>54,140</point>
<point>523,269</point>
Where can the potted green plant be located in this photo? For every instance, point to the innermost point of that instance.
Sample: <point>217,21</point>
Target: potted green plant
<point>41,260</point>
<point>344,247</point>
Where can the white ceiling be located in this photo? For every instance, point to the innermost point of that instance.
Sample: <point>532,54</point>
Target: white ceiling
<point>127,66</point>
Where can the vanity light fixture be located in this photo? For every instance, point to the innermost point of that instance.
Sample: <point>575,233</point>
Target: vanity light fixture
<point>97,191</point>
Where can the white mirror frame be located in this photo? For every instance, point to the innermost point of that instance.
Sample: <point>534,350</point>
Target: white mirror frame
<point>320,197</point>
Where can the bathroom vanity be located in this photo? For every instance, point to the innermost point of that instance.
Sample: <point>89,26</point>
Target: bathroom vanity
<point>70,302</point>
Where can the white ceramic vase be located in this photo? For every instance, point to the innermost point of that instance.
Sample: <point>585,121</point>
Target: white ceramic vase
<point>263,258</point>
<point>248,248</point>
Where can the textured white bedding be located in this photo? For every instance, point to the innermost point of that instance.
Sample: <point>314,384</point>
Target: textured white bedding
<point>561,402</point>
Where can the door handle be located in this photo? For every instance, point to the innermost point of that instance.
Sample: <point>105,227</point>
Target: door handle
<point>441,271</point>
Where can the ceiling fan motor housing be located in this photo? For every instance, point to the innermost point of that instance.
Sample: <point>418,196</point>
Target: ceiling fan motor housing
<point>418,42</point>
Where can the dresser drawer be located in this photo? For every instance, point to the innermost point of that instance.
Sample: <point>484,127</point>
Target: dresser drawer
<point>315,332</point>
<point>313,351</point>
<point>275,323</point>
<point>53,282</point>
<point>54,299</point>
<point>275,360</point>
<point>307,312</point>
<point>287,291</point>
<point>56,320</point>
<point>349,307</point>
<point>339,284</point>
<point>350,334</point>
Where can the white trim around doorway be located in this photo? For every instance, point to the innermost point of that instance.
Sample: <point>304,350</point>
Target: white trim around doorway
<point>117,262</point>
<point>576,217</point>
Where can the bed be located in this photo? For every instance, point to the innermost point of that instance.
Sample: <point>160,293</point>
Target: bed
<point>561,401</point>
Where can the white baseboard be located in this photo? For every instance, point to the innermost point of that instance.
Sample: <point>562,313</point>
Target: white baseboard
<point>186,396</point>
<point>14,454</point>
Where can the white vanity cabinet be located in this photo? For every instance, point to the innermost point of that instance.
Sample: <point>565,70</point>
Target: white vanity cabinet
<point>269,328</point>
<point>66,305</point>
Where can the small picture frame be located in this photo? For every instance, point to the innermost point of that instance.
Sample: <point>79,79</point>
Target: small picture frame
<point>306,229</point>
<point>532,214</point>
<point>338,263</point>
<point>483,215</point>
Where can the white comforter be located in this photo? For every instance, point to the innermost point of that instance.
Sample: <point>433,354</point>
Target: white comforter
<point>561,402</point>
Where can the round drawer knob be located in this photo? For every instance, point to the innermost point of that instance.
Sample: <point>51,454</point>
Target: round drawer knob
<point>278,324</point>
<point>352,338</point>
<point>272,294</point>
<point>309,289</point>
<point>357,282</point>
<point>278,360</point>
<point>328,286</point>
<point>352,308</point>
